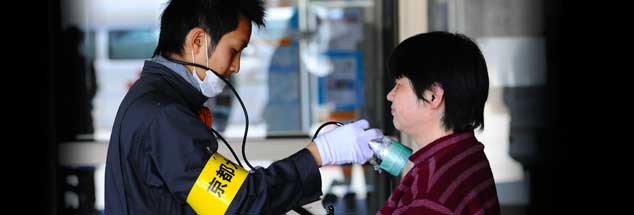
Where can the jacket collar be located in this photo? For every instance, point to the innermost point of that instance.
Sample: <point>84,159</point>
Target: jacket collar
<point>194,98</point>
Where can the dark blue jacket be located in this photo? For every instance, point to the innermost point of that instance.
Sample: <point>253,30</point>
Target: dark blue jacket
<point>158,147</point>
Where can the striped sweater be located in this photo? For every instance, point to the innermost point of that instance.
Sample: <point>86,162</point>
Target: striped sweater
<point>450,176</point>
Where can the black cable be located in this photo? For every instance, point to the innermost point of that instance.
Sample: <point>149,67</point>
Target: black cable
<point>244,109</point>
<point>246,122</point>
<point>301,211</point>
<point>324,125</point>
<point>228,146</point>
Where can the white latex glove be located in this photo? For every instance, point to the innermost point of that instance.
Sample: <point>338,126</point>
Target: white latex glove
<point>347,143</point>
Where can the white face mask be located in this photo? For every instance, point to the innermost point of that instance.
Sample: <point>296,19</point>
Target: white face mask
<point>212,85</point>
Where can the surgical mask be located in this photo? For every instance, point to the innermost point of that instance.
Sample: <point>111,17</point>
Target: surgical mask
<point>212,85</point>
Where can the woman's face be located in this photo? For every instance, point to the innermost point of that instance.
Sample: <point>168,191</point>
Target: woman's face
<point>407,108</point>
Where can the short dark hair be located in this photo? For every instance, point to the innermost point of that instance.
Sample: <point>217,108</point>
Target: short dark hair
<point>453,62</point>
<point>217,17</point>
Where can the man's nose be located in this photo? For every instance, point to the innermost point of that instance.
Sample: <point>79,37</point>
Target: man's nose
<point>235,65</point>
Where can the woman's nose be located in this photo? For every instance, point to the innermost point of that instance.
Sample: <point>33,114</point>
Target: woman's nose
<point>390,95</point>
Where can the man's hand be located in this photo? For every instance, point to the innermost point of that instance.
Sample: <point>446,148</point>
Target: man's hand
<point>345,144</point>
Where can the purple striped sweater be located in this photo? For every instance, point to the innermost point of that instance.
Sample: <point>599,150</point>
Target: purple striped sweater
<point>450,176</point>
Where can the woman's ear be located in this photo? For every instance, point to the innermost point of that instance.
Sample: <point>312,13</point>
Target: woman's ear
<point>435,95</point>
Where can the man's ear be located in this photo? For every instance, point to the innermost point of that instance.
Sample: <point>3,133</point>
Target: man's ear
<point>195,40</point>
<point>435,95</point>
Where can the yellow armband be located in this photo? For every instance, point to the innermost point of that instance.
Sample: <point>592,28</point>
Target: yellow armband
<point>216,186</point>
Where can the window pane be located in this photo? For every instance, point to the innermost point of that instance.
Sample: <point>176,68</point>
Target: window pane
<point>132,44</point>
<point>268,82</point>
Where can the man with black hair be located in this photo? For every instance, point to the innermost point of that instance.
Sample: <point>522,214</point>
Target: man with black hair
<point>441,88</point>
<point>162,157</point>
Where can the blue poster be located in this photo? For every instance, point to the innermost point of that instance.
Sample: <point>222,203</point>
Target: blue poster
<point>343,87</point>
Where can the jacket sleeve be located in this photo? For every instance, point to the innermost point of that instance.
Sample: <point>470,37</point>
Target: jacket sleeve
<point>285,184</point>
<point>180,146</point>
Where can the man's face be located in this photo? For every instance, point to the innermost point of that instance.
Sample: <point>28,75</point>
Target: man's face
<point>225,58</point>
<point>407,108</point>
